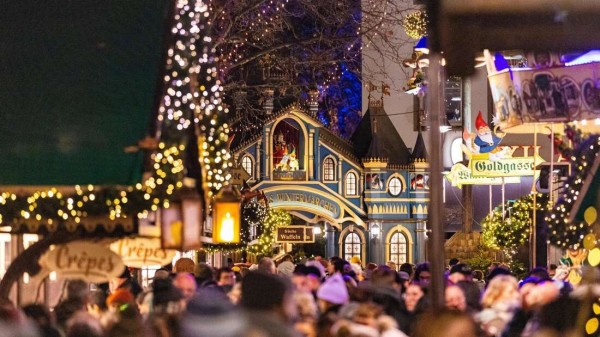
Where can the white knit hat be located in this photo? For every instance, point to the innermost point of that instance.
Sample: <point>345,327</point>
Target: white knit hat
<point>334,290</point>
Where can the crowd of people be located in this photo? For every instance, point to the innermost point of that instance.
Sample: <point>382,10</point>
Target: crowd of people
<point>314,298</point>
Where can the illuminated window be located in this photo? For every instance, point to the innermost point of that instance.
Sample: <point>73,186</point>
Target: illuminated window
<point>395,186</point>
<point>328,170</point>
<point>351,184</point>
<point>247,164</point>
<point>352,246</point>
<point>398,251</point>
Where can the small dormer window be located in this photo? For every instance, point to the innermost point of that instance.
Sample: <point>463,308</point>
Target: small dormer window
<point>328,170</point>
<point>247,164</point>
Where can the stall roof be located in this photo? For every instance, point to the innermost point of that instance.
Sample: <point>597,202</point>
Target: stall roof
<point>79,82</point>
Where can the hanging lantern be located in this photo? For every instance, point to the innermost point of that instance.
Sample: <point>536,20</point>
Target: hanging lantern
<point>226,217</point>
<point>181,222</point>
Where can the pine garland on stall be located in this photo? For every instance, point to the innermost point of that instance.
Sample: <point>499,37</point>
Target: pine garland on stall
<point>509,230</point>
<point>560,232</point>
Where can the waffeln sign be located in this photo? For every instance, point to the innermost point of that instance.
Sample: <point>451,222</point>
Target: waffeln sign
<point>295,234</point>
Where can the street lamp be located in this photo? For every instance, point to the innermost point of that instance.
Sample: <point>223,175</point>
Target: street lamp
<point>375,230</point>
<point>226,217</point>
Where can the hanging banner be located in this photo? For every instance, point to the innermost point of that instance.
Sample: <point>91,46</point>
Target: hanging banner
<point>554,94</point>
<point>87,261</point>
<point>142,252</point>
<point>461,175</point>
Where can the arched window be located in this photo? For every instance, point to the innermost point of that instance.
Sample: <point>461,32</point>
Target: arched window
<point>351,184</point>
<point>395,186</point>
<point>398,251</point>
<point>328,170</point>
<point>247,164</point>
<point>352,246</point>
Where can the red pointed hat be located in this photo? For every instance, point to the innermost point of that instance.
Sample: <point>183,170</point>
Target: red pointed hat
<point>479,122</point>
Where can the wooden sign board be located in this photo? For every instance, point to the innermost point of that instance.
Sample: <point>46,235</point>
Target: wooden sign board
<point>142,252</point>
<point>87,261</point>
<point>295,234</point>
<point>239,175</point>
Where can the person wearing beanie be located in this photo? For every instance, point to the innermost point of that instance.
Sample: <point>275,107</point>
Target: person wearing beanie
<point>331,296</point>
<point>268,305</point>
<point>332,292</point>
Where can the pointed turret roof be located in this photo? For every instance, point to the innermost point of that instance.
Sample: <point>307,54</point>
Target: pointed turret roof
<point>376,137</point>
<point>419,151</point>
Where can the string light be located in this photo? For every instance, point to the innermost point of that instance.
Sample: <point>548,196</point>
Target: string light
<point>415,24</point>
<point>510,230</point>
<point>561,232</point>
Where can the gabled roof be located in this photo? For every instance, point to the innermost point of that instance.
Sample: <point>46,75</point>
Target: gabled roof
<point>325,135</point>
<point>79,84</point>
<point>384,143</point>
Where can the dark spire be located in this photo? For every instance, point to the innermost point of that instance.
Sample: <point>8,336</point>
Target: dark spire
<point>420,151</point>
<point>376,137</point>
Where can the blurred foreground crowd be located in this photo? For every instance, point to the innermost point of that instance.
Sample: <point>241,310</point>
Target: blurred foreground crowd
<point>316,297</point>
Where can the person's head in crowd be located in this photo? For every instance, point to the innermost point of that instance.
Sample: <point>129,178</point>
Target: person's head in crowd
<point>403,279</point>
<point>541,294</point>
<point>407,268</point>
<point>40,315</point>
<point>332,293</point>
<point>286,266</point>
<point>540,273</point>
<point>167,299</point>
<point>203,273</point>
<point>422,273</point>
<point>186,283</point>
<point>230,263</point>
<point>383,276</point>
<point>266,265</point>
<point>225,278</point>
<point>211,314</point>
<point>393,266</point>
<point>78,289</point>
<point>445,323</point>
<point>118,298</point>
<point>455,298</point>
<point>412,296</point>
<point>336,265</point>
<point>368,272</point>
<point>84,324</point>
<point>356,260</point>
<point>453,261</point>
<point>162,273</point>
<point>472,293</point>
<point>502,289</point>
<point>184,265</point>
<point>265,292</point>
<point>97,304</point>
<point>499,270</point>
<point>460,272</point>
<point>126,281</point>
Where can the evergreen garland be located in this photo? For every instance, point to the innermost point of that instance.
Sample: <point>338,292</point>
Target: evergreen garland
<point>511,229</point>
<point>561,232</point>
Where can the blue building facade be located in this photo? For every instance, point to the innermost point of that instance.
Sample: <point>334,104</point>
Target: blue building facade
<point>369,194</point>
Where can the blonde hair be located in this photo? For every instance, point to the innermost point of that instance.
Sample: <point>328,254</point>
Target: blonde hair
<point>496,290</point>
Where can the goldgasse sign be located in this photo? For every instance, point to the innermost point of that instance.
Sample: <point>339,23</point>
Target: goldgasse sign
<point>503,168</point>
<point>482,166</point>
